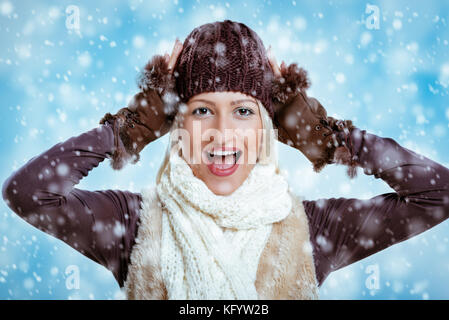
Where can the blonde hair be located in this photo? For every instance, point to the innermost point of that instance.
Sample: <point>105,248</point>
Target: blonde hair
<point>268,149</point>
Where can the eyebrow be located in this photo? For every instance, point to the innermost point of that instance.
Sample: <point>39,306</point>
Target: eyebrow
<point>232,103</point>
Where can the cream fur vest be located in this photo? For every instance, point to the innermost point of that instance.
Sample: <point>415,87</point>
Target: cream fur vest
<point>286,268</point>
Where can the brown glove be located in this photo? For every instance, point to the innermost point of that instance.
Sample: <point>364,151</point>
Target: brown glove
<point>147,117</point>
<point>303,123</point>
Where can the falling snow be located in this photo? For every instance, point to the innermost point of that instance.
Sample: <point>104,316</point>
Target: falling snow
<point>59,81</point>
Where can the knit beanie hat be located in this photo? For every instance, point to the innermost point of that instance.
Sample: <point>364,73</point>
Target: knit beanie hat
<point>222,56</point>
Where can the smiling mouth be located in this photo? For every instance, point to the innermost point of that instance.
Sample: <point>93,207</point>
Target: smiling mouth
<point>224,156</point>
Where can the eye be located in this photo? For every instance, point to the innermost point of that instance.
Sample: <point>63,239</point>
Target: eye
<point>317,127</point>
<point>245,112</point>
<point>200,111</point>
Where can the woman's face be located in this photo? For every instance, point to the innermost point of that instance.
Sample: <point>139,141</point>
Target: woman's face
<point>224,133</point>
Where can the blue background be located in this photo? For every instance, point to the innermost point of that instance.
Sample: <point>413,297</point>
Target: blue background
<point>56,83</point>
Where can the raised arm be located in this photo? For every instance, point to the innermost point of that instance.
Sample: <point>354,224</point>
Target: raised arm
<point>102,225</point>
<point>99,224</point>
<point>346,230</point>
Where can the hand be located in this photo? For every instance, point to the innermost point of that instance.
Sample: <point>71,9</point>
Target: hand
<point>303,123</point>
<point>276,70</point>
<point>151,110</point>
<point>146,117</point>
<point>171,60</point>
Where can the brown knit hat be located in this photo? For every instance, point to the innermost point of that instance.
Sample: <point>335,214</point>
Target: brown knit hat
<point>224,56</point>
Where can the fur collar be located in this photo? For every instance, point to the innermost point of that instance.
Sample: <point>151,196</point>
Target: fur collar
<point>286,268</point>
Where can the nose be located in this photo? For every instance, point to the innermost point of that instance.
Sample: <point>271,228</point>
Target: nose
<point>224,124</point>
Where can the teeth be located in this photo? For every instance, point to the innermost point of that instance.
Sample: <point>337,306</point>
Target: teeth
<point>222,153</point>
<point>236,154</point>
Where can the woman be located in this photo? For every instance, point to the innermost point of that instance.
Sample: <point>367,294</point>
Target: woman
<point>221,221</point>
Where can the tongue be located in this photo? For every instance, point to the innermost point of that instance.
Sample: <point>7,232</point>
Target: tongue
<point>224,162</point>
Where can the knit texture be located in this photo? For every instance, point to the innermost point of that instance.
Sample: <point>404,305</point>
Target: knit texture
<point>211,244</point>
<point>224,56</point>
<point>285,270</point>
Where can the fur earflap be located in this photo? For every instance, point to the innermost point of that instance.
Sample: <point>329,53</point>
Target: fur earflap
<point>292,80</point>
<point>156,76</point>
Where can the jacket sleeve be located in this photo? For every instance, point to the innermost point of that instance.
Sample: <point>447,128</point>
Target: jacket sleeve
<point>345,230</point>
<point>99,224</point>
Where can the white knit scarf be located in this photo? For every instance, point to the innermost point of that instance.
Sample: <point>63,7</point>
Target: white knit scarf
<point>211,244</point>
